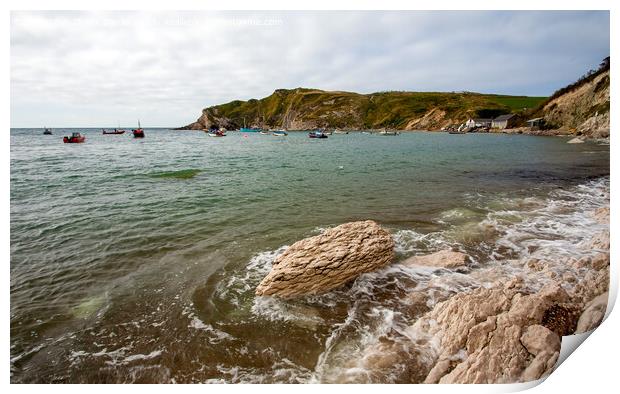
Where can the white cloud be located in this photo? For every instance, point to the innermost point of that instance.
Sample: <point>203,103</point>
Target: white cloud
<point>94,68</point>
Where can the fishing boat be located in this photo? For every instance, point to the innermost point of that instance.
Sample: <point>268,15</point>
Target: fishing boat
<point>216,133</point>
<point>138,133</point>
<point>47,131</point>
<point>317,134</point>
<point>115,131</point>
<point>280,133</point>
<point>75,138</point>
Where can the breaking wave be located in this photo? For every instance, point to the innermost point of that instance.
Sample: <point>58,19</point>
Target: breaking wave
<point>377,310</point>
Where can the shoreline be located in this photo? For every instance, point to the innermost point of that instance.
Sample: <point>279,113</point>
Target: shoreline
<point>509,317</point>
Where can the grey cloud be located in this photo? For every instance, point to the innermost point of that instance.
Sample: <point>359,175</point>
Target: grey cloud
<point>93,68</point>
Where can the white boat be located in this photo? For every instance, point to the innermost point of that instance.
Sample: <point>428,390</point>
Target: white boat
<point>385,132</point>
<point>280,133</point>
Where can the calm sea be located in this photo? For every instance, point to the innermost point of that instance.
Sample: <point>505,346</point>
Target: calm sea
<point>135,260</point>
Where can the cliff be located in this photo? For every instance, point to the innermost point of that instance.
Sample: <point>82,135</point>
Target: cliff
<point>581,108</point>
<point>303,109</point>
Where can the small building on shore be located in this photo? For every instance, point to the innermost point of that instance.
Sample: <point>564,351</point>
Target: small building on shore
<point>504,121</point>
<point>535,124</point>
<point>478,122</point>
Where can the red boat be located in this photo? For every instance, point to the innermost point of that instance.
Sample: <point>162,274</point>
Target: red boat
<point>116,131</point>
<point>138,133</point>
<point>75,138</point>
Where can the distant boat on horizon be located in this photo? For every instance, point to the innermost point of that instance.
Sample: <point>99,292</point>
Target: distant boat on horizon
<point>115,131</point>
<point>47,131</point>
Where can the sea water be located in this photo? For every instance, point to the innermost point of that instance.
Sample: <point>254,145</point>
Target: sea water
<point>135,260</point>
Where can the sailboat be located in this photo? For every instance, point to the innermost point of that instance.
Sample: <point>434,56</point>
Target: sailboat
<point>138,133</point>
<point>245,129</point>
<point>282,132</point>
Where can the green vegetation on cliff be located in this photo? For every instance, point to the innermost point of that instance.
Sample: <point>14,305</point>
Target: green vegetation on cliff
<point>303,108</point>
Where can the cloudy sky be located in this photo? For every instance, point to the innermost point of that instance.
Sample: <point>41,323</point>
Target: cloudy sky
<point>100,68</point>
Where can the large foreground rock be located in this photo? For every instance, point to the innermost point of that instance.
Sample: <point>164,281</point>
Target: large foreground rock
<point>324,262</point>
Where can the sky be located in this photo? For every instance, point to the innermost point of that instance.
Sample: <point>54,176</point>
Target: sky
<point>99,69</point>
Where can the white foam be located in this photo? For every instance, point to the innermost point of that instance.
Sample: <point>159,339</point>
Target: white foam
<point>216,336</point>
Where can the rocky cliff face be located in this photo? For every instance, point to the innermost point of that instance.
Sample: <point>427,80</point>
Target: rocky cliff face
<point>303,109</point>
<point>581,108</point>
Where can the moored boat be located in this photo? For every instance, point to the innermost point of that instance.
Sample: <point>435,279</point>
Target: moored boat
<point>138,133</point>
<point>245,129</point>
<point>115,131</point>
<point>75,138</point>
<point>216,133</point>
<point>280,133</point>
<point>385,132</point>
<point>317,134</point>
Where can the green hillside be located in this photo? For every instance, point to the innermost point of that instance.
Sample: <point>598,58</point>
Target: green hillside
<point>304,108</point>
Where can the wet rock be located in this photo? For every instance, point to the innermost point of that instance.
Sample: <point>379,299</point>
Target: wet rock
<point>490,324</point>
<point>600,261</point>
<point>590,285</point>
<point>582,263</point>
<point>576,140</point>
<point>593,313</point>
<point>600,241</point>
<point>601,215</point>
<point>444,259</point>
<point>324,262</point>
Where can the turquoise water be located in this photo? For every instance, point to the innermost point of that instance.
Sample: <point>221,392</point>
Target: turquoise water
<point>135,260</point>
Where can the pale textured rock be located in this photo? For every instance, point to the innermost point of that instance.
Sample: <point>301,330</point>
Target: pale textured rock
<point>601,215</point>
<point>490,324</point>
<point>600,241</point>
<point>324,262</point>
<point>576,140</point>
<point>600,261</point>
<point>540,366</point>
<point>444,258</point>
<point>538,339</point>
<point>593,313</point>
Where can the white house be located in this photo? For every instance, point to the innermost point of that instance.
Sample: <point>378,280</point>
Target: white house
<point>479,122</point>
